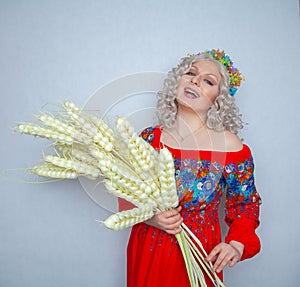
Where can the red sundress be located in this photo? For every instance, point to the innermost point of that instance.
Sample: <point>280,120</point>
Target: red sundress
<point>154,258</point>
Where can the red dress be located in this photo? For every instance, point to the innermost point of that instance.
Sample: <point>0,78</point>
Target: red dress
<point>154,258</point>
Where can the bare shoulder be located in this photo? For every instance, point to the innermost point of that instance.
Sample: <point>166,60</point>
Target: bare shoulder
<point>225,141</point>
<point>232,142</point>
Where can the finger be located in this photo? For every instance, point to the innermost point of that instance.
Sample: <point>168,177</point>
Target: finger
<point>170,223</point>
<point>222,264</point>
<point>234,260</point>
<point>212,255</point>
<point>174,225</point>
<point>171,220</point>
<point>179,208</point>
<point>219,262</point>
<point>229,257</point>
<point>171,213</point>
<point>213,259</point>
<point>174,231</point>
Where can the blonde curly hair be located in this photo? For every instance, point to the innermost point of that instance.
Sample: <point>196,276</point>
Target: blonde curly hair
<point>223,114</point>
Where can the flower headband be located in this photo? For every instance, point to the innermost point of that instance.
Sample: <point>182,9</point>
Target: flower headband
<point>234,73</point>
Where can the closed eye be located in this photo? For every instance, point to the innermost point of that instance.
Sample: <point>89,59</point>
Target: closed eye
<point>208,82</point>
<point>190,74</point>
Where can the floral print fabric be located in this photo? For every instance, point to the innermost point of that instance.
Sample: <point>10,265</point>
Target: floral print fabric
<point>202,177</point>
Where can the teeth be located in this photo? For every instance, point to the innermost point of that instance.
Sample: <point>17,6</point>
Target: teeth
<point>191,93</point>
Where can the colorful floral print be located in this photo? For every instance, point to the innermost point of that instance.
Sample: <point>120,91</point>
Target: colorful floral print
<point>202,177</point>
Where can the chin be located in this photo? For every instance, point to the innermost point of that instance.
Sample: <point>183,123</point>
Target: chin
<point>197,105</point>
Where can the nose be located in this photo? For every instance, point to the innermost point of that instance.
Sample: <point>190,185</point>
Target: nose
<point>196,80</point>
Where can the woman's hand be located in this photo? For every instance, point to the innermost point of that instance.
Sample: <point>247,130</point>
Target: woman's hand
<point>224,253</point>
<point>168,221</point>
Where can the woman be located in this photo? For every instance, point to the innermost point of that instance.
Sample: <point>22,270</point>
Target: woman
<point>198,123</point>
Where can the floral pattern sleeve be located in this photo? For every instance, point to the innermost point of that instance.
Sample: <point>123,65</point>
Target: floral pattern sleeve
<point>152,136</point>
<point>242,202</point>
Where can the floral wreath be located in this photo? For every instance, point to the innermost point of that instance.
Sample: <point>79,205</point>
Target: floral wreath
<point>234,74</point>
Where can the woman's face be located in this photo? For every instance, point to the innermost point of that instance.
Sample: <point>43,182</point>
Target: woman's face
<point>198,88</point>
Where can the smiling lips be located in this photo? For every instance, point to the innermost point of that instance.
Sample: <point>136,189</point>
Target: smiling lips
<point>191,93</point>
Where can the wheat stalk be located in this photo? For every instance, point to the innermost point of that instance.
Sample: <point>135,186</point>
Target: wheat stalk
<point>86,146</point>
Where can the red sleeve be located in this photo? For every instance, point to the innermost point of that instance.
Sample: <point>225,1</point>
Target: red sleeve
<point>152,136</point>
<point>242,202</point>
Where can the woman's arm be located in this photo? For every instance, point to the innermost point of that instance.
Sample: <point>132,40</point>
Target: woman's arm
<point>242,212</point>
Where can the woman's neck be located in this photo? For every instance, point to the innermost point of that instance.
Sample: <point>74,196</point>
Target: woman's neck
<point>189,121</point>
<point>189,132</point>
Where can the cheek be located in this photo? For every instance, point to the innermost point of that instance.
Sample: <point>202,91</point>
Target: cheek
<point>180,86</point>
<point>207,102</point>
<point>213,94</point>
<point>181,82</point>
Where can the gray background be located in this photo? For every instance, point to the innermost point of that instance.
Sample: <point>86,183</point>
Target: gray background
<point>56,50</point>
